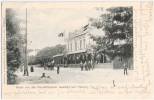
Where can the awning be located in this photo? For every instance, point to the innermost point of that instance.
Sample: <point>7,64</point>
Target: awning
<point>58,55</point>
<point>74,52</point>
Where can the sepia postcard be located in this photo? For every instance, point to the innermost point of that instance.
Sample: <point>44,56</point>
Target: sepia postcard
<point>77,50</point>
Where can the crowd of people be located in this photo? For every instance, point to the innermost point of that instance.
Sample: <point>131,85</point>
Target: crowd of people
<point>85,61</point>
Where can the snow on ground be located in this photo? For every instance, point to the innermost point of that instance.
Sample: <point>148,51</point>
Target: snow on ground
<point>75,75</point>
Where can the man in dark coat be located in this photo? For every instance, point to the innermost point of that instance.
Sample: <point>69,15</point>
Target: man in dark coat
<point>81,65</point>
<point>58,69</point>
<point>32,69</point>
<point>125,69</point>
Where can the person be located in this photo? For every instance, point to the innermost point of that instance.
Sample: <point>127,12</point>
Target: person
<point>26,71</point>
<point>52,65</point>
<point>43,75</point>
<point>58,68</point>
<point>32,69</point>
<point>125,69</point>
<point>113,83</point>
<point>92,64</point>
<point>89,65</point>
<point>85,65</point>
<point>81,65</point>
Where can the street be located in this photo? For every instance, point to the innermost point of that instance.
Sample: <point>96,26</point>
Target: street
<point>74,75</point>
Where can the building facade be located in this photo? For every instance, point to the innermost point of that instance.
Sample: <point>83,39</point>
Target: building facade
<point>79,41</point>
<point>79,48</point>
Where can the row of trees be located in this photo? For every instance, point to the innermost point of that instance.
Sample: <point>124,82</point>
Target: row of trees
<point>46,54</point>
<point>15,44</point>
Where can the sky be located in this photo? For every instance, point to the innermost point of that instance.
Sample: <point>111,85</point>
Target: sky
<point>44,24</point>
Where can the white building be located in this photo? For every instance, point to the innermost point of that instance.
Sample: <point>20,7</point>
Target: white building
<point>79,41</point>
<point>80,46</point>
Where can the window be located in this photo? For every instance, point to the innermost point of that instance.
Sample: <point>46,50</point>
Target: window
<point>68,46</point>
<point>71,46</point>
<point>80,44</point>
<point>75,45</point>
<point>84,43</point>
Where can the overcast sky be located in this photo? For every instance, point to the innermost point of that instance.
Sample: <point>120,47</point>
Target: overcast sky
<point>45,24</point>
